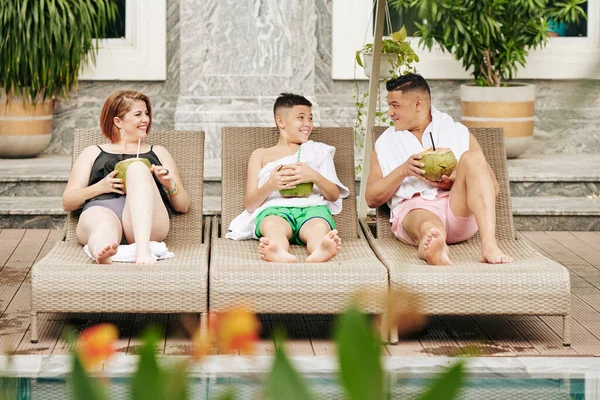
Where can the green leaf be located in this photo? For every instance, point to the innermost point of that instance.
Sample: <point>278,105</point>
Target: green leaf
<point>359,351</point>
<point>399,36</point>
<point>148,383</point>
<point>446,385</point>
<point>84,387</point>
<point>283,381</point>
<point>358,59</point>
<point>228,395</point>
<point>176,382</point>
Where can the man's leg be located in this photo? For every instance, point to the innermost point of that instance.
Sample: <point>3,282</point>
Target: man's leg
<point>474,193</point>
<point>275,240</point>
<point>427,229</point>
<point>322,243</point>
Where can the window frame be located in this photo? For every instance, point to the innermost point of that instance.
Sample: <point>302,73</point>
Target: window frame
<point>562,58</point>
<point>142,54</point>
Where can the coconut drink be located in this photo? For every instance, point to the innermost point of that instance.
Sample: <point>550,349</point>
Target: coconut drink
<point>301,190</point>
<point>438,162</point>
<point>121,168</point>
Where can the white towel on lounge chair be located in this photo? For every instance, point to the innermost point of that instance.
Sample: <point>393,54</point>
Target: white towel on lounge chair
<point>126,252</point>
<point>395,147</point>
<point>318,156</point>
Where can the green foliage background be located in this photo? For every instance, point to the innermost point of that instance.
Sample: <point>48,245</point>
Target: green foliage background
<point>491,38</point>
<point>43,43</point>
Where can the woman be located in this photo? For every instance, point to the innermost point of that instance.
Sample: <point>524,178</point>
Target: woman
<point>110,217</point>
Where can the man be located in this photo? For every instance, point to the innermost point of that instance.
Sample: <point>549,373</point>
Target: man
<point>425,213</point>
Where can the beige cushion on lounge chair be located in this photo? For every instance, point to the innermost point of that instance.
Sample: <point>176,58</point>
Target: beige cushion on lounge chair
<point>66,280</point>
<point>531,285</point>
<point>237,274</point>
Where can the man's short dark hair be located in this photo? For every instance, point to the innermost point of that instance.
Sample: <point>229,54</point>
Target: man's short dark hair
<point>408,83</point>
<point>289,100</point>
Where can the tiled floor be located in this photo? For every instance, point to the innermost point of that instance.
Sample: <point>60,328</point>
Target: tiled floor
<point>310,334</point>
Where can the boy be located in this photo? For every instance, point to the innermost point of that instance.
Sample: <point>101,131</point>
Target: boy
<point>276,220</point>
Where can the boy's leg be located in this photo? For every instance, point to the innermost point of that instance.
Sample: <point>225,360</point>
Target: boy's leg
<point>274,244</point>
<point>426,228</point>
<point>474,192</point>
<point>322,243</point>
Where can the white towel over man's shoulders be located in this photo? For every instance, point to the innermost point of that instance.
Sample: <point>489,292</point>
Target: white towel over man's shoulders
<point>395,147</point>
<point>318,156</point>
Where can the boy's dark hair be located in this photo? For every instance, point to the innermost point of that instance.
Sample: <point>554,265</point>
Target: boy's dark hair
<point>408,83</point>
<point>289,100</point>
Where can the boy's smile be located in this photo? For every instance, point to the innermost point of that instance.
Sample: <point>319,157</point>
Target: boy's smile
<point>297,123</point>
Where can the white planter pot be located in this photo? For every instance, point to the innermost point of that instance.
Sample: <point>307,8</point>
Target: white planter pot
<point>25,130</point>
<point>511,107</point>
<point>384,67</point>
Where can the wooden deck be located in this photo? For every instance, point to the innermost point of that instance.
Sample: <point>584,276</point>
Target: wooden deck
<point>310,334</point>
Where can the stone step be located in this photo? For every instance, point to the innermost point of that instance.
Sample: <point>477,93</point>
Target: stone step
<point>556,213</point>
<point>546,213</point>
<point>47,212</point>
<point>571,175</point>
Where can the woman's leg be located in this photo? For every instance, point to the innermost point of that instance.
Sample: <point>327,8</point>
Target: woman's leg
<point>322,243</point>
<point>101,230</point>
<point>145,217</point>
<point>275,240</point>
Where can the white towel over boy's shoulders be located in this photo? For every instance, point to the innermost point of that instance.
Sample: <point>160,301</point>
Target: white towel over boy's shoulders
<point>395,147</point>
<point>318,156</point>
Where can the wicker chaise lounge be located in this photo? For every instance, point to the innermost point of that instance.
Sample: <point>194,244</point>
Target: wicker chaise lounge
<point>66,280</point>
<point>531,285</point>
<point>238,275</point>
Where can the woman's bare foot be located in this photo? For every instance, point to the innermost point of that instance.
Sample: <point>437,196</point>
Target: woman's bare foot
<point>105,254</point>
<point>493,255</point>
<point>330,245</point>
<point>144,255</point>
<point>269,251</point>
<point>435,248</point>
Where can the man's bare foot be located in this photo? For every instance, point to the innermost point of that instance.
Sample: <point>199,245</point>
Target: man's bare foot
<point>105,254</point>
<point>435,248</point>
<point>269,251</point>
<point>330,245</point>
<point>493,255</point>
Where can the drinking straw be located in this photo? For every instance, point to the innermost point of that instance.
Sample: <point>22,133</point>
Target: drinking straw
<point>138,151</point>
<point>433,144</point>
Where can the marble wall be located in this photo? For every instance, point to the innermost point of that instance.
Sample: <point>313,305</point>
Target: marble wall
<point>229,59</point>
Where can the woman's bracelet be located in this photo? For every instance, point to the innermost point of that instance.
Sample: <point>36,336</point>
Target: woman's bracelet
<point>174,191</point>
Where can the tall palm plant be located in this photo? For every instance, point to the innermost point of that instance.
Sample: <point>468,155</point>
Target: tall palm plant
<point>43,43</point>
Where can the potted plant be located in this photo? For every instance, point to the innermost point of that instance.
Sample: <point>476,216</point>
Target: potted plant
<point>397,59</point>
<point>492,39</point>
<point>43,46</point>
<point>397,56</point>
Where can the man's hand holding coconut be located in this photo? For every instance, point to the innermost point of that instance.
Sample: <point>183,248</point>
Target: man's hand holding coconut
<point>433,175</point>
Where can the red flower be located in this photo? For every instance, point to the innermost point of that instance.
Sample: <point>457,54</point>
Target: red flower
<point>233,330</point>
<point>96,344</point>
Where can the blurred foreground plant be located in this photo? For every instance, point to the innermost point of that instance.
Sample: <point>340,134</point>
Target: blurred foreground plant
<point>359,352</point>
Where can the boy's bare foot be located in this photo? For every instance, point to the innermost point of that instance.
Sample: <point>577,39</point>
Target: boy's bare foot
<point>269,251</point>
<point>493,255</point>
<point>330,245</point>
<point>435,248</point>
<point>105,254</point>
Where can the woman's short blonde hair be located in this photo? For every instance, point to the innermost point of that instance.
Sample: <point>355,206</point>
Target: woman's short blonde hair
<point>117,105</point>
